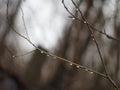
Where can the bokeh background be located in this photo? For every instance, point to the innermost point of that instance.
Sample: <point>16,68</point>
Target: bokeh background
<point>51,28</point>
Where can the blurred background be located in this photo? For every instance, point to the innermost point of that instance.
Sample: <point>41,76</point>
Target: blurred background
<point>50,27</point>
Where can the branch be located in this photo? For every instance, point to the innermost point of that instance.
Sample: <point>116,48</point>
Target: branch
<point>50,54</point>
<point>81,20</point>
<point>97,45</point>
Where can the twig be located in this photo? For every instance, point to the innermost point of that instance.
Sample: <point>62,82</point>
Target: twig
<point>72,15</point>
<point>15,56</point>
<point>24,23</point>
<point>81,20</point>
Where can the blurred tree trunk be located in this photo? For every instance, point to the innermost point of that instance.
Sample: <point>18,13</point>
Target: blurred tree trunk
<point>8,79</point>
<point>5,52</point>
<point>33,70</point>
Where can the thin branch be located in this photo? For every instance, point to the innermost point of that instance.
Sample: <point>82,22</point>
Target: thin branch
<point>72,15</point>
<point>24,23</point>
<point>92,34</point>
<point>15,56</point>
<point>97,45</point>
<point>50,54</point>
<point>81,20</point>
<point>104,33</point>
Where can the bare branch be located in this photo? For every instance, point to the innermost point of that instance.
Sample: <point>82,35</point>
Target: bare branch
<point>81,20</point>
<point>50,54</point>
<point>97,45</point>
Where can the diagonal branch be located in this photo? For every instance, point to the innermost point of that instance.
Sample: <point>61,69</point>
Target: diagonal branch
<point>97,45</point>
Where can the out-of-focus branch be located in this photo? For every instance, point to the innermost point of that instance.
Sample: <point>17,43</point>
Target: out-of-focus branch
<point>24,24</point>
